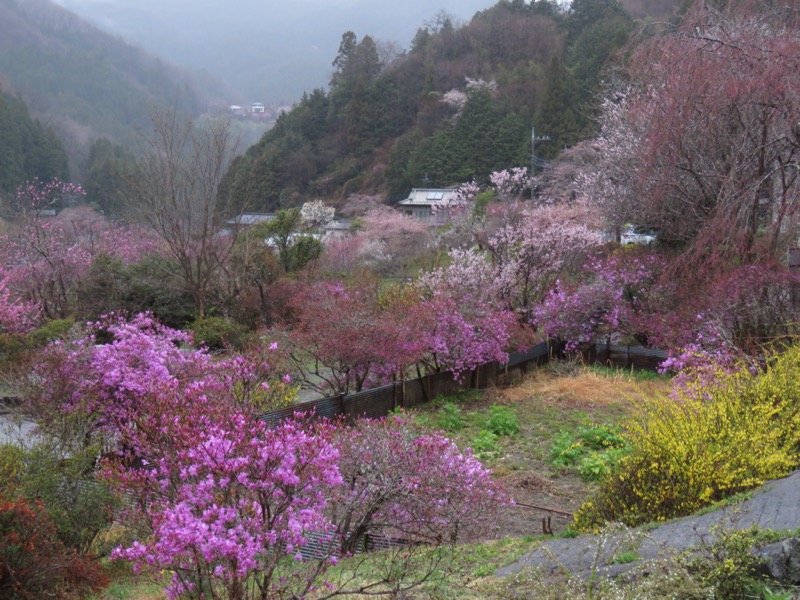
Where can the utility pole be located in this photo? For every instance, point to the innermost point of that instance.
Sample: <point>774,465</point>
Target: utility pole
<point>535,139</point>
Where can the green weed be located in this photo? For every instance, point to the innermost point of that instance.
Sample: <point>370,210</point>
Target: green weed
<point>502,421</point>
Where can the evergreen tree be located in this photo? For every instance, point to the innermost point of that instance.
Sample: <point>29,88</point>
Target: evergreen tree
<point>109,167</point>
<point>28,150</point>
<point>559,114</point>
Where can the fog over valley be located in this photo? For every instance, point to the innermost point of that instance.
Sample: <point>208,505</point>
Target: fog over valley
<point>269,51</point>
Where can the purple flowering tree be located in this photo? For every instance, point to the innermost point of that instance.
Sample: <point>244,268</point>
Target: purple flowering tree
<point>618,297</point>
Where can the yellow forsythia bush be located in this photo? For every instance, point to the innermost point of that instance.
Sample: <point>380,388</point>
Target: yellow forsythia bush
<point>699,448</point>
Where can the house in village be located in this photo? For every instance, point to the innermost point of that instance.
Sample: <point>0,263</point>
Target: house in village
<point>337,229</point>
<point>248,219</point>
<point>422,203</point>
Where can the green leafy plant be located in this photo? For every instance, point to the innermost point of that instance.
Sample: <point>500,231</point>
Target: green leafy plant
<point>593,450</point>
<point>485,446</point>
<point>625,557</point>
<point>596,466</point>
<point>449,418</point>
<point>728,564</point>
<point>218,333</point>
<point>78,506</point>
<point>502,421</point>
<point>769,594</point>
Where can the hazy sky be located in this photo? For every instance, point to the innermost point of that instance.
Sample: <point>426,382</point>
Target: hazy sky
<point>265,50</point>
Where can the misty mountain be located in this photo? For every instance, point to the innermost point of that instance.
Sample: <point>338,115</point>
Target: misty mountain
<point>455,107</point>
<point>266,50</point>
<point>84,83</point>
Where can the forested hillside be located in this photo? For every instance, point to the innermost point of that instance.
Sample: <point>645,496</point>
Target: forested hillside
<point>86,83</point>
<point>28,149</point>
<point>459,104</point>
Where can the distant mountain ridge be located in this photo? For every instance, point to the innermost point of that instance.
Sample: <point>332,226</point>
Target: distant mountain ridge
<point>267,50</point>
<point>82,82</point>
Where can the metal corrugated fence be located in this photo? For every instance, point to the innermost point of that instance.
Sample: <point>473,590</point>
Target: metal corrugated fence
<point>379,402</point>
<point>635,357</point>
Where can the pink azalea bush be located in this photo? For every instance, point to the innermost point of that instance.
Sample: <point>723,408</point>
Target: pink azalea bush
<point>408,482</point>
<point>229,505</point>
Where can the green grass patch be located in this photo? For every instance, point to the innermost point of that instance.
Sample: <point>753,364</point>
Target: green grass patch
<point>125,585</point>
<point>633,374</point>
<point>625,557</point>
<point>448,571</point>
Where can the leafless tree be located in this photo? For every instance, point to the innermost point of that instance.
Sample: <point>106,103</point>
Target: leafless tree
<point>175,192</point>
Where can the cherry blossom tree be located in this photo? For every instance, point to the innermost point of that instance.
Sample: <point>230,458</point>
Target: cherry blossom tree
<point>340,338</point>
<point>705,139</point>
<point>47,258</point>
<point>36,195</point>
<point>386,242</point>
<point>316,214</point>
<point>532,245</point>
<point>510,184</point>
<point>16,315</point>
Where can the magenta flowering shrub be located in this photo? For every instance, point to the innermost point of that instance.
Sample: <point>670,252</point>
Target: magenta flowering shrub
<point>618,298</point>
<point>101,377</point>
<point>696,367</point>
<point>89,389</point>
<point>347,337</point>
<point>232,502</point>
<point>462,335</point>
<point>17,316</point>
<point>228,505</point>
<point>731,322</point>
<point>231,505</point>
